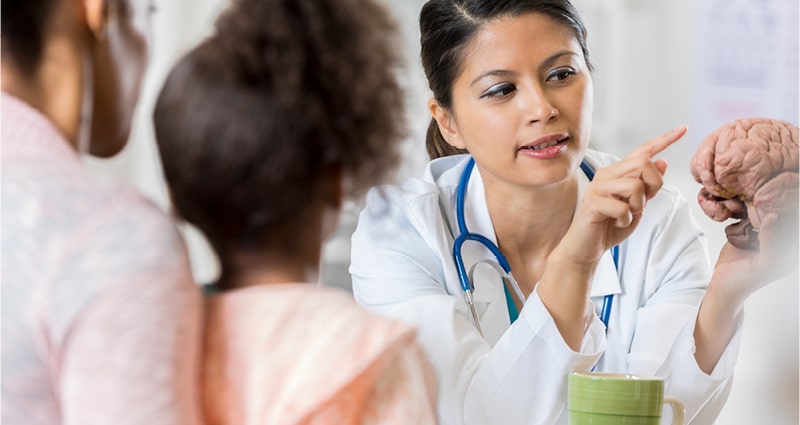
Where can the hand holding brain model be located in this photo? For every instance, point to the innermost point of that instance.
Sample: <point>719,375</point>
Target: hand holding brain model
<point>748,169</point>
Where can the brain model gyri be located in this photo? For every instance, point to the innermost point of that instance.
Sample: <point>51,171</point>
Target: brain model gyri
<point>748,168</point>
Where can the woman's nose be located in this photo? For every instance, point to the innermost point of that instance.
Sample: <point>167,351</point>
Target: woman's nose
<point>538,106</point>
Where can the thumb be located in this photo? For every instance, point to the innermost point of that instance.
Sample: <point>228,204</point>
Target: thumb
<point>661,165</point>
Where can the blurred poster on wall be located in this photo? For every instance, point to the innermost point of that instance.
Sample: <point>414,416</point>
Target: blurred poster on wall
<point>747,61</point>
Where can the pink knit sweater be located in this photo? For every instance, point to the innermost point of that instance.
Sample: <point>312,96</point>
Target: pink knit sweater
<point>100,316</point>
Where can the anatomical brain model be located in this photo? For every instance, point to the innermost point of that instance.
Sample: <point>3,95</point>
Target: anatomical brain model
<point>748,168</point>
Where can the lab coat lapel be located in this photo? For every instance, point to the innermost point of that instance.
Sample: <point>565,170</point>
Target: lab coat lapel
<point>606,282</point>
<point>476,216</point>
<point>489,294</point>
<point>606,279</point>
<point>446,175</point>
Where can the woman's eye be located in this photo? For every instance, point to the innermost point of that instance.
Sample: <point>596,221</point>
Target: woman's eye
<point>499,90</point>
<point>560,74</point>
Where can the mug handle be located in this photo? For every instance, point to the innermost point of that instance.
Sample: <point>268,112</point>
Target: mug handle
<point>678,412</point>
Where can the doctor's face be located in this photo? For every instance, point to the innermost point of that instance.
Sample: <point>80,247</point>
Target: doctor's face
<point>522,104</point>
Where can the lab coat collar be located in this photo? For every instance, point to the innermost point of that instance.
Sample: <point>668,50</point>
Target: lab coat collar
<point>446,171</point>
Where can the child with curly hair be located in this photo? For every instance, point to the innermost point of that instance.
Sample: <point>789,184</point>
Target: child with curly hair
<point>264,130</point>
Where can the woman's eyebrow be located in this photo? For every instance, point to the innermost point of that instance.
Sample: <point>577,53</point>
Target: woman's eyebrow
<point>492,73</point>
<point>505,73</point>
<point>555,57</point>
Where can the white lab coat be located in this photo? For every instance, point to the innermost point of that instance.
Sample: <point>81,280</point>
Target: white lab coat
<point>402,266</point>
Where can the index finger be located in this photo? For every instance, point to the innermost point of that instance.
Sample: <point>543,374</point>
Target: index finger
<point>659,144</point>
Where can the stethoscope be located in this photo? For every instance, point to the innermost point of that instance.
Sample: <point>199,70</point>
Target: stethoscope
<point>502,266</point>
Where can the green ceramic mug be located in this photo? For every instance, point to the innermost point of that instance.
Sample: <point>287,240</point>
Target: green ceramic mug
<point>599,398</point>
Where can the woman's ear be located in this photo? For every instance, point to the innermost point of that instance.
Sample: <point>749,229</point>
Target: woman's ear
<point>97,17</point>
<point>447,126</point>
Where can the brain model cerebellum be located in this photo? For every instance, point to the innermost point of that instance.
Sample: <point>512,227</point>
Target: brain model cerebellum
<point>748,168</point>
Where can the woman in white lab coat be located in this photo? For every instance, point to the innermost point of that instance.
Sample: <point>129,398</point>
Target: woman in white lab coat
<point>512,89</point>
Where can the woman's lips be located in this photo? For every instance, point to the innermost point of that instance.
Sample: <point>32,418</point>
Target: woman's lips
<point>546,147</point>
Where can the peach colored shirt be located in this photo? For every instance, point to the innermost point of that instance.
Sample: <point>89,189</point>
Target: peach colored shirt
<point>100,316</point>
<point>302,354</point>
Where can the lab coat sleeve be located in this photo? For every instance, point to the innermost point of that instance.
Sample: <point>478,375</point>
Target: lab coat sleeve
<point>703,395</point>
<point>397,270</point>
<point>676,279</point>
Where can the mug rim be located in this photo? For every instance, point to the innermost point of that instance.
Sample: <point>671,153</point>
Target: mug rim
<point>616,375</point>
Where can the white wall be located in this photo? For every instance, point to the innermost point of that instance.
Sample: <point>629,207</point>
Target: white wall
<point>652,60</point>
